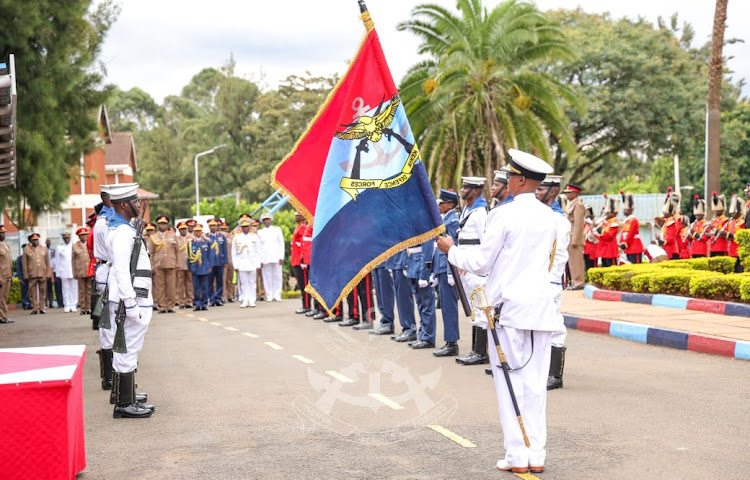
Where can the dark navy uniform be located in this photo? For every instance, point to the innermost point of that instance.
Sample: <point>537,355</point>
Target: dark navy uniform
<point>200,267</point>
<point>447,291</point>
<point>217,258</point>
<point>385,298</point>
<point>419,260</point>
<point>404,298</point>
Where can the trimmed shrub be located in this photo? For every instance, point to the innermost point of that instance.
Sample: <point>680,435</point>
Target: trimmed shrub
<point>745,288</point>
<point>718,287</point>
<point>743,239</point>
<point>671,282</point>
<point>640,282</point>
<point>15,292</point>
<point>721,264</point>
<point>291,294</point>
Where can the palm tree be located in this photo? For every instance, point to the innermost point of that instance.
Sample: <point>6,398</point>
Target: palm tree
<point>478,93</point>
<point>713,102</point>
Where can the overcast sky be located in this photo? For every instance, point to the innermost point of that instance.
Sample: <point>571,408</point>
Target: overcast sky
<point>158,45</point>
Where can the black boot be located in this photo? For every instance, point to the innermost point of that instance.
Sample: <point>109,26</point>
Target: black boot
<point>450,349</point>
<point>478,354</point>
<point>105,367</point>
<point>556,367</point>
<point>463,358</point>
<point>125,401</point>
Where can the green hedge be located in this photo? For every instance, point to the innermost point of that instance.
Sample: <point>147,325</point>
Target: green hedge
<point>743,239</point>
<point>291,294</point>
<point>709,278</point>
<point>15,292</point>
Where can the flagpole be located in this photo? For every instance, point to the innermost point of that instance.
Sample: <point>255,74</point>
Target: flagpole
<point>362,6</point>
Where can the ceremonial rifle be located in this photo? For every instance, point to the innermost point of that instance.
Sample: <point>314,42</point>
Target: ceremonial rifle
<point>119,345</point>
<point>459,284</point>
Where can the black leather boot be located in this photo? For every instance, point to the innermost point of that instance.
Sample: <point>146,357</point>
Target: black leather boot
<point>126,405</point>
<point>450,349</point>
<point>463,358</point>
<point>478,354</point>
<point>105,368</point>
<point>556,367</point>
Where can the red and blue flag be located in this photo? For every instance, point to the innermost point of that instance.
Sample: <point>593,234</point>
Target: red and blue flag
<point>357,174</point>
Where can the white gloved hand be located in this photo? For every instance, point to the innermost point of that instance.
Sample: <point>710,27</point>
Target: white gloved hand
<point>403,270</point>
<point>303,266</point>
<point>422,283</point>
<point>133,313</point>
<point>433,280</point>
<point>451,282</point>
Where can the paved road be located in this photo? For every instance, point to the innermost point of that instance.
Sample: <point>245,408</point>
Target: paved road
<point>237,398</point>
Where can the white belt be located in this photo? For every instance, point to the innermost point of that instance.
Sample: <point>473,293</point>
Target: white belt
<point>307,239</point>
<point>413,250</point>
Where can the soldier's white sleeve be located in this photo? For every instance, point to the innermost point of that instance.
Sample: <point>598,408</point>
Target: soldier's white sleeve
<point>561,250</point>
<point>280,243</point>
<point>479,259</point>
<point>121,248</point>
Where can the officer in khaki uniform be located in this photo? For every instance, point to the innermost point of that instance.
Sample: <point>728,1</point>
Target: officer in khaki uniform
<point>230,292</point>
<point>36,270</point>
<point>162,246</point>
<point>81,271</point>
<point>576,212</point>
<point>6,277</point>
<point>184,280</point>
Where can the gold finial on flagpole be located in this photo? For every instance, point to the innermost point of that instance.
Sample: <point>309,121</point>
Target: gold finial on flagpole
<point>365,16</point>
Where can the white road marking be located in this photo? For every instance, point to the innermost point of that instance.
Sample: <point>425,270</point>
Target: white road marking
<point>274,346</point>
<point>231,329</point>
<point>216,324</point>
<point>248,334</point>
<point>453,436</point>
<point>339,377</point>
<point>387,401</point>
<point>201,319</point>
<point>190,315</point>
<point>302,359</point>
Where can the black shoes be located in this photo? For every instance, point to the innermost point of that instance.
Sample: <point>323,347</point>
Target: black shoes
<point>405,337</point>
<point>349,322</point>
<point>319,316</point>
<point>450,349</point>
<point>488,370</point>
<point>473,358</point>
<point>383,330</point>
<point>554,382</point>
<point>332,319</point>
<point>312,313</point>
<point>574,288</point>
<point>420,344</point>
<point>363,326</point>
<point>301,310</point>
<point>7,320</point>
<point>126,400</point>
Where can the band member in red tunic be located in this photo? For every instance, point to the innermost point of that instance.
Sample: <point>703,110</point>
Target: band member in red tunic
<point>591,240</point>
<point>697,231</point>
<point>717,245</point>
<point>670,232</point>
<point>684,240</point>
<point>737,211</point>
<point>630,239</point>
<point>607,248</point>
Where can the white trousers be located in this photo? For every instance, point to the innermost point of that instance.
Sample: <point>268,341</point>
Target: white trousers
<point>107,336</point>
<point>530,387</point>
<point>558,337</point>
<point>70,293</point>
<point>272,280</point>
<point>135,332</point>
<point>248,290</point>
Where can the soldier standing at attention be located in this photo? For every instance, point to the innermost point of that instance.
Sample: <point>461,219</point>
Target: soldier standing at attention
<point>6,276</point>
<point>230,293</point>
<point>718,244</point>
<point>217,258</point>
<point>698,239</point>
<point>246,254</point>
<point>670,232</point>
<point>184,280</point>
<point>272,257</point>
<point>447,203</point>
<point>576,213</point>
<point>162,246</point>
<point>36,270</point>
<point>470,231</point>
<point>516,251</point>
<point>737,223</point>
<point>81,262</point>
<point>134,290</point>
<point>64,271</point>
<point>296,262</point>
<point>200,267</point>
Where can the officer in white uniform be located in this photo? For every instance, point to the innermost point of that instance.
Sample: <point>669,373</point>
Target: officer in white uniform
<point>470,231</point>
<point>516,254</point>
<point>136,296</point>
<point>64,271</point>
<point>101,253</point>
<point>246,255</point>
<point>547,193</point>
<point>272,257</point>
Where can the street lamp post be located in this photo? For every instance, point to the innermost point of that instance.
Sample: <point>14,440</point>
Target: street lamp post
<point>197,197</point>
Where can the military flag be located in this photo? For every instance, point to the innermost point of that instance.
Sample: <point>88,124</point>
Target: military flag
<point>357,175</point>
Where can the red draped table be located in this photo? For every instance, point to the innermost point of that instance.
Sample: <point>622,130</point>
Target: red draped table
<point>41,412</point>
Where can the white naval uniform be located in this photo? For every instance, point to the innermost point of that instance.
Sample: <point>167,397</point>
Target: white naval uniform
<point>272,250</point>
<point>473,229</point>
<point>138,308</point>
<point>101,253</point>
<point>515,255</point>
<point>556,273</point>
<point>246,257</point>
<point>64,271</point>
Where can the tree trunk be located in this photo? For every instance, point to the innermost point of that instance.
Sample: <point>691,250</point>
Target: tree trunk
<point>712,181</point>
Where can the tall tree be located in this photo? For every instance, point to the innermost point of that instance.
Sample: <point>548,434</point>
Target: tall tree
<point>479,92</point>
<point>713,102</point>
<point>56,45</point>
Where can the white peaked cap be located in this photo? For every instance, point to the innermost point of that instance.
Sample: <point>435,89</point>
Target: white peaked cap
<point>120,192</point>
